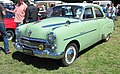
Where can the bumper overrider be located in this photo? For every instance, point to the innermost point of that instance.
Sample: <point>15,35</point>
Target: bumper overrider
<point>37,47</point>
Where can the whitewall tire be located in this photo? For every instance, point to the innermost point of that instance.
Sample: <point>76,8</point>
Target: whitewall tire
<point>70,54</point>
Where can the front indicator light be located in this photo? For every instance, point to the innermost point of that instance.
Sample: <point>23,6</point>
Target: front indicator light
<point>40,47</point>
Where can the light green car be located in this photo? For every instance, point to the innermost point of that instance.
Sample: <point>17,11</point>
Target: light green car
<point>69,29</point>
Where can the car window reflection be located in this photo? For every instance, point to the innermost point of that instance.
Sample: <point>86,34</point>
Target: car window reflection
<point>66,11</point>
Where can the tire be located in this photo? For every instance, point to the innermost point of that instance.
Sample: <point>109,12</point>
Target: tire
<point>70,55</point>
<point>107,38</point>
<point>10,34</point>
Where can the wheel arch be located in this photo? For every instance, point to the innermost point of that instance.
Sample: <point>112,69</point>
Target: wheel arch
<point>104,36</point>
<point>76,42</point>
<point>10,29</point>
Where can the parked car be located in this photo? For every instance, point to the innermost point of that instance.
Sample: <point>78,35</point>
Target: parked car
<point>71,28</point>
<point>10,28</point>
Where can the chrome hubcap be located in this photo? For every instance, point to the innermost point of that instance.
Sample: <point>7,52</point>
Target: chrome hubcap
<point>70,54</point>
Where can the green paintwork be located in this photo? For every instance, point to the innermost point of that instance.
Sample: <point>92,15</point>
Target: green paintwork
<point>85,32</point>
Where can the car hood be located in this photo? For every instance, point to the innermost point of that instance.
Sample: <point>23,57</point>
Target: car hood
<point>41,28</point>
<point>55,22</point>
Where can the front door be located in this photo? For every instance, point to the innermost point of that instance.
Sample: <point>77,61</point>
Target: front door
<point>89,28</point>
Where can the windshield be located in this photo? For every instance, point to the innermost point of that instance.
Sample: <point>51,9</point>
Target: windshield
<point>65,11</point>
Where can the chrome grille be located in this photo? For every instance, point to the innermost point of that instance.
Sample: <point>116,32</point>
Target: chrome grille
<point>32,42</point>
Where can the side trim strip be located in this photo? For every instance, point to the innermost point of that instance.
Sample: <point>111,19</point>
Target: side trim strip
<point>82,33</point>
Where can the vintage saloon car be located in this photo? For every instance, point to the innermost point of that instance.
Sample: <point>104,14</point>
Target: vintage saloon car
<point>68,29</point>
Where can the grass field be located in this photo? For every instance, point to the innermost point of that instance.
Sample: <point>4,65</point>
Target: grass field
<point>101,58</point>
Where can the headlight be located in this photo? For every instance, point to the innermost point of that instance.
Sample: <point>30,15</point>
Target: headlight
<point>18,34</point>
<point>51,37</point>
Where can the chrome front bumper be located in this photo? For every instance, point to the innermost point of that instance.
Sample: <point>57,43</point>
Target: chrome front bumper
<point>45,53</point>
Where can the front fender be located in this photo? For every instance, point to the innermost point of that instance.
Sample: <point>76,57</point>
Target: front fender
<point>62,37</point>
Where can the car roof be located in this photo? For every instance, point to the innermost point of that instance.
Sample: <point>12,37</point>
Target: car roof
<point>80,4</point>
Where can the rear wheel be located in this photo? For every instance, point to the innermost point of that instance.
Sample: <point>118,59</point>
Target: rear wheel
<point>10,34</point>
<point>107,38</point>
<point>70,54</point>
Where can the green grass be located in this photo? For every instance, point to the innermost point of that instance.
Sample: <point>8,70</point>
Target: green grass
<point>102,58</point>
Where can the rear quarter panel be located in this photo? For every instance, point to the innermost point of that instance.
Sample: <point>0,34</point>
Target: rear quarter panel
<point>107,27</point>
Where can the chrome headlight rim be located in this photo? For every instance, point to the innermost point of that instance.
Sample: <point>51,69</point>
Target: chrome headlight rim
<point>51,37</point>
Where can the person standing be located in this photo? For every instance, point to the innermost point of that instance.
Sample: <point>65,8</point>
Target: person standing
<point>31,14</point>
<point>108,8</point>
<point>19,12</point>
<point>3,30</point>
<point>112,12</point>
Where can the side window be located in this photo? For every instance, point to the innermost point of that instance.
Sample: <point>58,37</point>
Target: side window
<point>78,12</point>
<point>98,13</point>
<point>66,11</point>
<point>57,11</point>
<point>88,13</point>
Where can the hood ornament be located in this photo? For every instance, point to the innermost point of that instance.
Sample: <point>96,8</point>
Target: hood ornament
<point>29,32</point>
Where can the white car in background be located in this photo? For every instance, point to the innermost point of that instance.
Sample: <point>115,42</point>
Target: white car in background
<point>101,2</point>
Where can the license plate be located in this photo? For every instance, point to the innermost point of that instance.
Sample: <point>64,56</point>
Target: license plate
<point>29,52</point>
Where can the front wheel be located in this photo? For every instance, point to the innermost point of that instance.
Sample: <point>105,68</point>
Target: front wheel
<point>71,53</point>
